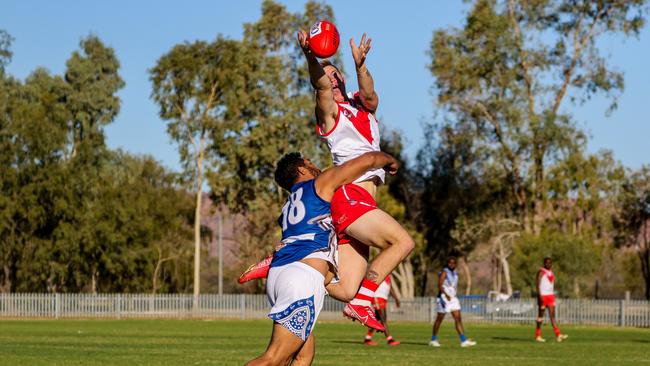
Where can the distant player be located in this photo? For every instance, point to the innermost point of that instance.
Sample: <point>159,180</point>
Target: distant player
<point>381,303</point>
<point>546,299</point>
<point>447,302</point>
<point>296,278</point>
<point>347,123</point>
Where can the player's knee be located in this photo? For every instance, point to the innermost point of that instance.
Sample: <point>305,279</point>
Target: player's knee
<point>303,359</point>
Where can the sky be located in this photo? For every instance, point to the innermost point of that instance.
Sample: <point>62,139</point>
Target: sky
<point>47,32</point>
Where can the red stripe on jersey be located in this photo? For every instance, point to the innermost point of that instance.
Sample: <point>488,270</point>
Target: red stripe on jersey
<point>361,122</point>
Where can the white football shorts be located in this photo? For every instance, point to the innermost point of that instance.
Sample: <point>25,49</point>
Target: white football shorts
<point>447,306</point>
<point>296,293</point>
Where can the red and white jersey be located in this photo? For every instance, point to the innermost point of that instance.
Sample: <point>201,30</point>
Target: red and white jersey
<point>383,291</point>
<point>355,132</point>
<point>546,282</point>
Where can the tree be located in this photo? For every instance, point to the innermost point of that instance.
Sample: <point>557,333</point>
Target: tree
<point>506,74</point>
<point>193,85</point>
<point>271,114</point>
<point>5,49</point>
<point>460,188</point>
<point>632,221</point>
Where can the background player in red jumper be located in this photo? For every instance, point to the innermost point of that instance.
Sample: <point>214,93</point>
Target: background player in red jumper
<point>546,300</point>
<point>381,311</point>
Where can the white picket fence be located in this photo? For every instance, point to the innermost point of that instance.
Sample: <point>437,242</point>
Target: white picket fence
<point>240,306</point>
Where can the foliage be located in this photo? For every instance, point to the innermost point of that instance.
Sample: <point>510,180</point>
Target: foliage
<point>505,75</point>
<point>75,216</point>
<point>632,221</point>
<point>574,261</point>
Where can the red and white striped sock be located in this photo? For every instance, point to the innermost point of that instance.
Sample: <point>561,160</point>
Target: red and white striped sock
<point>366,293</point>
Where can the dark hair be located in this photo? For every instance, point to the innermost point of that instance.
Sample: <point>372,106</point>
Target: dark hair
<point>549,258</point>
<point>286,170</point>
<point>452,257</point>
<point>327,62</point>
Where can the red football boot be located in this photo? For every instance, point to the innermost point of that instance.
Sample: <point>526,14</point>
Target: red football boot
<point>257,270</point>
<point>364,314</point>
<point>392,341</point>
<point>370,342</point>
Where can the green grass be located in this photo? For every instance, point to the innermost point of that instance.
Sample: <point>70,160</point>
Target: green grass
<point>196,342</point>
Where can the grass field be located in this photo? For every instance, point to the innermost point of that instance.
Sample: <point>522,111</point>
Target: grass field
<point>196,342</point>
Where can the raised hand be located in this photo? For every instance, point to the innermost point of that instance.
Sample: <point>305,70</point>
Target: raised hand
<point>360,52</point>
<point>303,42</point>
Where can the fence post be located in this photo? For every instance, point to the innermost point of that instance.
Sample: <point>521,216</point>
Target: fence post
<point>57,305</point>
<point>431,307</point>
<point>118,306</point>
<point>242,306</point>
<point>621,313</point>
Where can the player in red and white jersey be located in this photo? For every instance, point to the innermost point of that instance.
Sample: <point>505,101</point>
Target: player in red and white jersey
<point>347,122</point>
<point>384,290</point>
<point>546,299</point>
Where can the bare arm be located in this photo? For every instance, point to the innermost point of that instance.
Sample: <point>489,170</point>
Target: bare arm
<point>332,178</point>
<point>539,281</point>
<point>326,108</point>
<point>441,281</point>
<point>367,93</point>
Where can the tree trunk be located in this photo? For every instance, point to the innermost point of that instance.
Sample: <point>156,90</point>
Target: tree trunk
<point>503,258</point>
<point>197,222</point>
<point>93,282</point>
<point>468,275</point>
<point>405,286</point>
<point>197,242</point>
<point>6,282</point>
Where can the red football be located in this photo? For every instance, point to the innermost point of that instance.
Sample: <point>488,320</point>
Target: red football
<point>323,39</point>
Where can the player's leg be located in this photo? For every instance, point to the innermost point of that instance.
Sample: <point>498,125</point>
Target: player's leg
<point>436,328</point>
<point>367,340</point>
<point>458,321</point>
<point>352,264</point>
<point>558,335</point>
<point>305,355</point>
<point>382,315</point>
<point>541,309</point>
<point>283,346</point>
<point>377,228</point>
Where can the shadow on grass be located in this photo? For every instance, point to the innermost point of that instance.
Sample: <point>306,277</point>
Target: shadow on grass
<point>512,339</point>
<point>361,343</point>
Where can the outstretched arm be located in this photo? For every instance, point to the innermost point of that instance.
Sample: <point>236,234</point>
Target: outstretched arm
<point>326,108</point>
<point>367,93</point>
<point>332,178</point>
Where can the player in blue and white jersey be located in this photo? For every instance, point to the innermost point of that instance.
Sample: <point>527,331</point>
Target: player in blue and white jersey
<point>296,280</point>
<point>447,302</point>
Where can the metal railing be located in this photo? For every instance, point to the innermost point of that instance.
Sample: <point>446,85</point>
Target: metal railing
<point>241,306</point>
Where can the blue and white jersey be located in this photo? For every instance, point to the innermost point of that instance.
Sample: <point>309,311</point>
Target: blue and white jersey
<point>306,224</point>
<point>450,284</point>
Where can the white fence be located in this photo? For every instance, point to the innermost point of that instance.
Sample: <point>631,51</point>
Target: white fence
<point>240,306</point>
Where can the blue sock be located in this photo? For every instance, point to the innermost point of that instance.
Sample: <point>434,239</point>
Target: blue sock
<point>433,338</point>
<point>462,337</point>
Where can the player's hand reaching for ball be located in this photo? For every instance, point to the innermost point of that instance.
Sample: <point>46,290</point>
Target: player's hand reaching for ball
<point>360,52</point>
<point>303,42</point>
